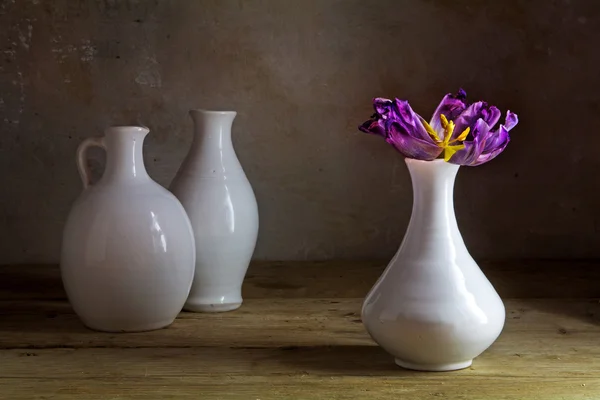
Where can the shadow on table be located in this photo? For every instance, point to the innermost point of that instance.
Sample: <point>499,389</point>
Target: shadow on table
<point>31,282</point>
<point>48,316</point>
<point>350,360</point>
<point>586,311</point>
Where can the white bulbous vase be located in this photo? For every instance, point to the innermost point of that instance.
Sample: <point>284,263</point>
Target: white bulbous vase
<point>433,309</point>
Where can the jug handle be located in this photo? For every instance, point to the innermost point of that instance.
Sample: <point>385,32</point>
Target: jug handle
<point>82,166</point>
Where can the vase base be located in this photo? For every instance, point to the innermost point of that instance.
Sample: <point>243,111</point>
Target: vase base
<point>129,329</point>
<point>211,308</point>
<point>434,367</point>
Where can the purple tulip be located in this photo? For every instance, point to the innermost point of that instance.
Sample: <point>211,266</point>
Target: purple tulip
<point>463,133</point>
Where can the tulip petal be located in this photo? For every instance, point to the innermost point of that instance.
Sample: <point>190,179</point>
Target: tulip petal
<point>502,140</point>
<point>402,128</point>
<point>473,113</point>
<point>374,126</point>
<point>473,148</point>
<point>451,106</point>
<point>511,120</point>
<point>383,107</point>
<point>410,121</point>
<point>496,139</point>
<point>410,145</point>
<point>377,124</point>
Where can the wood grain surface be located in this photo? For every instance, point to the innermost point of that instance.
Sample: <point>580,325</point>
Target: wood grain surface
<point>297,336</point>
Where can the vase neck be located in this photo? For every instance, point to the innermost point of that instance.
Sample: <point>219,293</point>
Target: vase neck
<point>124,154</point>
<point>433,191</point>
<point>212,128</point>
<point>212,149</point>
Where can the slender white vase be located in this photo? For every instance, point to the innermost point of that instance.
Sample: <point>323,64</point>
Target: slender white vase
<point>128,250</point>
<point>432,308</point>
<point>219,200</point>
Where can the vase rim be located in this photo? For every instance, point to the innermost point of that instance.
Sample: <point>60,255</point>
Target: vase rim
<point>218,112</point>
<point>117,129</point>
<point>437,160</point>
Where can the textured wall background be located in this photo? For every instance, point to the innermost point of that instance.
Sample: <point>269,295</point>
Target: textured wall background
<point>301,74</point>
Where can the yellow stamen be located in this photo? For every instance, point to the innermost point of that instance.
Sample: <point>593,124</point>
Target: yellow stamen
<point>463,135</point>
<point>448,129</point>
<point>430,130</point>
<point>449,132</point>
<point>449,147</point>
<point>450,150</point>
<point>444,121</point>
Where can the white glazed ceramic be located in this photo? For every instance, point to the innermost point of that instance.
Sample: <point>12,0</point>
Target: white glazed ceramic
<point>432,308</point>
<point>128,248</point>
<point>219,200</point>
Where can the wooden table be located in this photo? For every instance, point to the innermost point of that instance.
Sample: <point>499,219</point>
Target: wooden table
<point>299,336</point>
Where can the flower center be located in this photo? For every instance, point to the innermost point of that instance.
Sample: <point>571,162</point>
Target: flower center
<point>447,143</point>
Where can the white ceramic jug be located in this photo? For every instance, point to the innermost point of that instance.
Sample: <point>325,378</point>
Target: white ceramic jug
<point>128,249</point>
<point>219,200</point>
